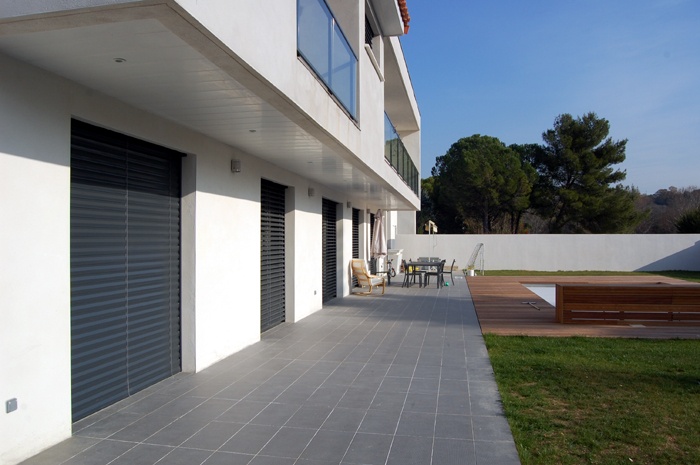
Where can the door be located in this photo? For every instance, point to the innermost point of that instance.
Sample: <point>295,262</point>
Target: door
<point>330,246</point>
<point>272,251</point>
<point>125,266</point>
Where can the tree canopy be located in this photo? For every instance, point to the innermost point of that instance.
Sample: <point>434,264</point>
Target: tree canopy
<point>569,184</point>
<point>481,185</point>
<point>578,189</point>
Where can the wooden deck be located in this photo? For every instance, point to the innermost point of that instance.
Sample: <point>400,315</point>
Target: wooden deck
<point>502,306</point>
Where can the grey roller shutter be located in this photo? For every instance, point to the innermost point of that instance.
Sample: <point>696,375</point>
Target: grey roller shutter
<point>272,251</point>
<point>329,218</point>
<point>125,266</point>
<point>355,238</point>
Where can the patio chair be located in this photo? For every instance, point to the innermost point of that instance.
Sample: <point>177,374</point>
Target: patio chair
<point>364,278</point>
<point>437,272</point>
<point>410,273</point>
<point>449,271</point>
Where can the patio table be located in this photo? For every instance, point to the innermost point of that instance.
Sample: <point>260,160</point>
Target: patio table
<point>422,265</point>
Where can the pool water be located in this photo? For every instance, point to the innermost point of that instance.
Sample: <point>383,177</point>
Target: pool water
<point>548,292</point>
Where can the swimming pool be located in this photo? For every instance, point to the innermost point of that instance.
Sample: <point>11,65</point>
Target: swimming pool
<point>548,292</point>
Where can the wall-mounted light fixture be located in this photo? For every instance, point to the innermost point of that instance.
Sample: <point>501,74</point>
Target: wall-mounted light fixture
<point>349,204</point>
<point>235,166</point>
<point>312,192</point>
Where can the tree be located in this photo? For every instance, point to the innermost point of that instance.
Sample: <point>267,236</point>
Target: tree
<point>689,222</point>
<point>578,189</point>
<point>480,181</point>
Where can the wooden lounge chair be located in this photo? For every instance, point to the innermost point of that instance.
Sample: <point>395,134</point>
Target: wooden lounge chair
<point>364,278</point>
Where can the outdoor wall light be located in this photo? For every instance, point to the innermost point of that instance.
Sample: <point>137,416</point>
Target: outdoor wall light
<point>312,192</point>
<point>349,204</point>
<point>235,166</point>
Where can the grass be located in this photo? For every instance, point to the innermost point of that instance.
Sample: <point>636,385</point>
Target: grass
<point>600,401</point>
<point>693,276</point>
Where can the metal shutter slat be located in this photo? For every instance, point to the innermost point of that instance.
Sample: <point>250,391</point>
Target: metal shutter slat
<point>329,218</point>
<point>125,198</point>
<point>272,255</point>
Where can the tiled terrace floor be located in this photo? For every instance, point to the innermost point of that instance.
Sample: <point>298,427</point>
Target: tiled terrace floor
<point>398,379</point>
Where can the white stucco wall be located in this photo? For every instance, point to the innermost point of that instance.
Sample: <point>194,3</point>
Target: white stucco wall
<point>220,246</point>
<point>565,252</point>
<point>34,252</point>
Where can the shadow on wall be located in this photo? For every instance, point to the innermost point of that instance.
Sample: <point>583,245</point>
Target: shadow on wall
<point>687,259</point>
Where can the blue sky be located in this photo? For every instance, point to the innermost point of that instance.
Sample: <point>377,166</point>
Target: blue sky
<point>508,68</point>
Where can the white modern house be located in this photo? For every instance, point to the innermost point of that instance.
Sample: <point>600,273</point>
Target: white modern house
<point>179,176</point>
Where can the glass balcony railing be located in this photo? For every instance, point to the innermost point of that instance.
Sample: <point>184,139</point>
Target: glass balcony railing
<point>321,43</point>
<point>397,156</point>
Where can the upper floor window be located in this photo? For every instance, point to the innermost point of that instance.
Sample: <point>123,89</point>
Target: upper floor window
<point>369,32</point>
<point>321,43</point>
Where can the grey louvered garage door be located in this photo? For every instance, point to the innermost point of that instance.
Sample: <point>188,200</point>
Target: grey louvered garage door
<point>125,266</point>
<point>272,260</point>
<point>330,267</point>
<point>355,238</point>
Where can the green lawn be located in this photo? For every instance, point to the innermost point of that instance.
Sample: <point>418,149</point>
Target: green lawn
<point>600,401</point>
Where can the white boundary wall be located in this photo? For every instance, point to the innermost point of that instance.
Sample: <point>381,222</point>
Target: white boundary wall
<point>562,252</point>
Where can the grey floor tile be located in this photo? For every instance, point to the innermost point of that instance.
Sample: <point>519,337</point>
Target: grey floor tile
<point>266,460</point>
<point>402,370</point>
<point>326,396</point>
<point>402,381</point>
<point>176,432</point>
<point>296,394</point>
<point>310,416</point>
<point>484,402</point>
<point>62,451</point>
<point>104,451</point>
<point>454,386</point>
<point>416,424</point>
<point>211,409</point>
<point>344,419</point>
<point>250,439</point>
<point>452,372</point>
<point>288,442</point>
<point>358,397</point>
<point>454,452</point>
<point>328,446</point>
<point>419,402</point>
<point>409,450</point>
<point>180,456</point>
<point>108,425</point>
<point>424,385</point>
<point>453,427</point>
<point>276,414</point>
<point>213,435</point>
<point>455,404</point>
<point>427,371</point>
<point>368,449</point>
<point>388,401</point>
<point>243,411</point>
<point>227,458</point>
<point>143,428</point>
<point>395,384</point>
<point>142,454</point>
<point>491,428</point>
<point>380,422</point>
<point>237,391</point>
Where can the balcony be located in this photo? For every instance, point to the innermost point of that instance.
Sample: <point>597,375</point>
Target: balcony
<point>398,157</point>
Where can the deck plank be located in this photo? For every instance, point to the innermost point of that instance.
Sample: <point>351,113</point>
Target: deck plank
<point>502,307</point>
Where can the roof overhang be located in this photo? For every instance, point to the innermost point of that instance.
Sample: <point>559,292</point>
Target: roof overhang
<point>392,16</point>
<point>174,68</point>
